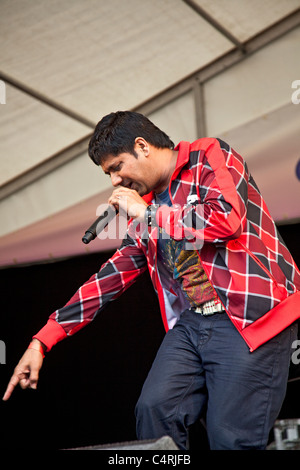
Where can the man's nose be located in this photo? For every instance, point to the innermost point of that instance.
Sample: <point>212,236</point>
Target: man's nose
<point>116,180</point>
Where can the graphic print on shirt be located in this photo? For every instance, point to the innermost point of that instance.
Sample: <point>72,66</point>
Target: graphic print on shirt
<point>185,267</point>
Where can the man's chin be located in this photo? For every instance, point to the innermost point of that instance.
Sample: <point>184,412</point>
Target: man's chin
<point>142,192</point>
<point>138,189</point>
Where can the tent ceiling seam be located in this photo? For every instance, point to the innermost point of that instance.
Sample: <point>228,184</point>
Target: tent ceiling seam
<point>221,64</point>
<point>214,23</point>
<point>38,171</point>
<point>45,99</point>
<point>194,83</point>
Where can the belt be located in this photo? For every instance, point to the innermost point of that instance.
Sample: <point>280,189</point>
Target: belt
<point>209,308</point>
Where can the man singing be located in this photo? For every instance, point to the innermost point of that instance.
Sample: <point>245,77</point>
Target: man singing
<point>227,285</point>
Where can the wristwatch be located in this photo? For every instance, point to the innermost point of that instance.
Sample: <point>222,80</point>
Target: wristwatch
<point>150,213</point>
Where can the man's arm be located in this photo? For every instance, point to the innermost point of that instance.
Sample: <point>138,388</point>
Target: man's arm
<point>114,277</point>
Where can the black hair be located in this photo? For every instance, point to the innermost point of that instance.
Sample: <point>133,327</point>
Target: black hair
<point>116,133</point>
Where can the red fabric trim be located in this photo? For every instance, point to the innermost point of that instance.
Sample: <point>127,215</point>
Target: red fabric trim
<point>51,334</point>
<point>273,322</point>
<point>183,155</point>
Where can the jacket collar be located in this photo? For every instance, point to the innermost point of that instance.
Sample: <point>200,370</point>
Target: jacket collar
<point>182,158</point>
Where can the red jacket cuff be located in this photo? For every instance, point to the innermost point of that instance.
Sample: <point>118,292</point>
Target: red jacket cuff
<point>51,334</point>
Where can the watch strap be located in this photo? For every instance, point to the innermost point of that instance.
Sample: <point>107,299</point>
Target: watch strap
<point>150,214</point>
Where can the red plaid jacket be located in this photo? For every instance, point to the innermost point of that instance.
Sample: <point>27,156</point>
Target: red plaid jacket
<point>219,211</point>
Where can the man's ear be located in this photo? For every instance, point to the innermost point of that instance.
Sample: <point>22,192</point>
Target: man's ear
<point>141,145</point>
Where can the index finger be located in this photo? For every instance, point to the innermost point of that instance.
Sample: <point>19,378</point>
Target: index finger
<point>10,387</point>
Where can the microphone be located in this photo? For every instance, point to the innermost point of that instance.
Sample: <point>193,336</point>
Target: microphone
<point>99,224</point>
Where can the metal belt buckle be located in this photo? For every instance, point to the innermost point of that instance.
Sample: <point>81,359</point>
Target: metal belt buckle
<point>209,308</point>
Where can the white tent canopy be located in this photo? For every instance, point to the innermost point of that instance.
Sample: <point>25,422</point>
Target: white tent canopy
<point>220,68</point>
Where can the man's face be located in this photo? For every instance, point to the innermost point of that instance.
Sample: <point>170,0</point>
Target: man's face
<point>130,171</point>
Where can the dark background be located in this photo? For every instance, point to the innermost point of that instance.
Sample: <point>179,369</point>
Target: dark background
<point>89,383</point>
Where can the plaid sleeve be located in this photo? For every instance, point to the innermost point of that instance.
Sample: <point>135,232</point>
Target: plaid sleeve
<point>219,214</point>
<point>114,277</point>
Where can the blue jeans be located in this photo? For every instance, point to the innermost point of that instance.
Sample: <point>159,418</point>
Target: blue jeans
<point>204,368</point>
